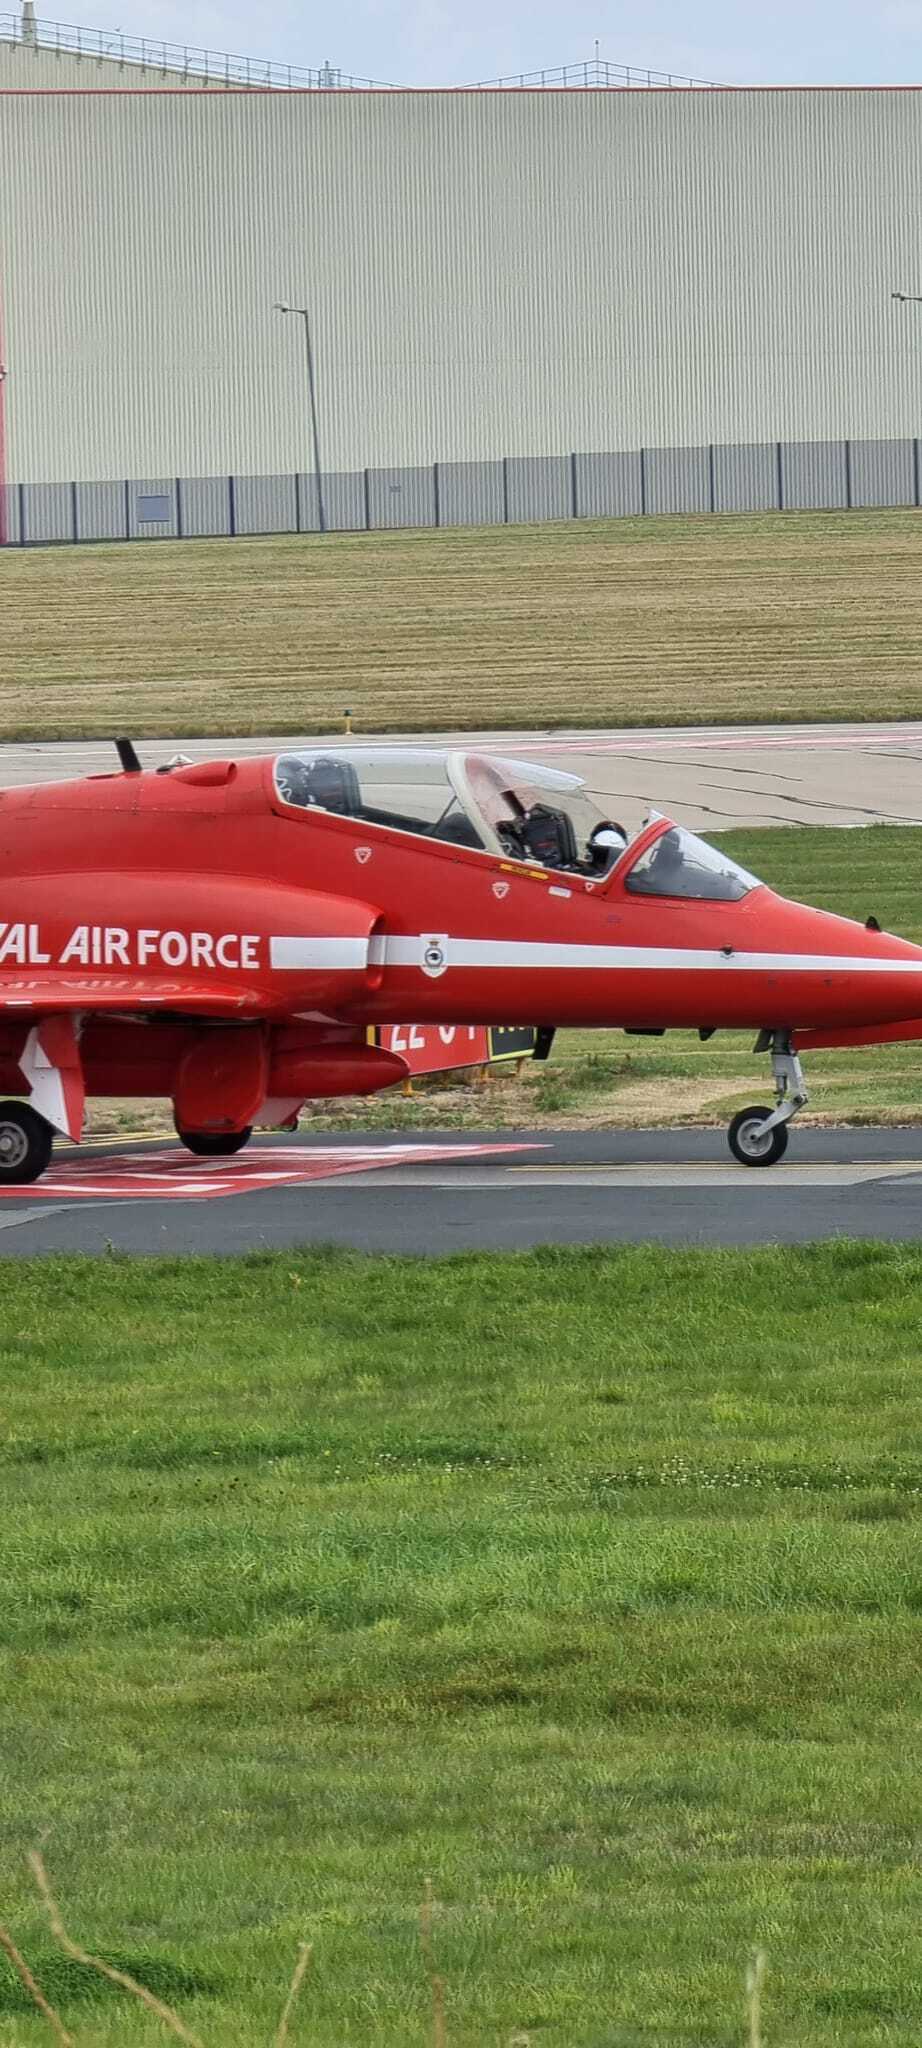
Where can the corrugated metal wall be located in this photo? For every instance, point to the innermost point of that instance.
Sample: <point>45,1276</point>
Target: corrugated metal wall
<point>491,275</point>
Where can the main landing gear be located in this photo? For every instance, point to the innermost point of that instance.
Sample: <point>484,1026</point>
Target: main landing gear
<point>214,1144</point>
<point>759,1136</point>
<point>25,1144</point>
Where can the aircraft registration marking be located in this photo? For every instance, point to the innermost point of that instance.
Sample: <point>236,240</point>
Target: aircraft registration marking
<point>177,1176</point>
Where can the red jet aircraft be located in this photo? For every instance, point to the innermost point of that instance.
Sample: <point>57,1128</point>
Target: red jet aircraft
<point>228,934</point>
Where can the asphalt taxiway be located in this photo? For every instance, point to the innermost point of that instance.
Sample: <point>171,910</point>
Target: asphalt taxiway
<point>477,1191</point>
<point>708,777</point>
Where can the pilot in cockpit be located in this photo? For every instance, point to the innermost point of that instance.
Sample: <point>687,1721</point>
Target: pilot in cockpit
<point>327,781</point>
<point>546,836</point>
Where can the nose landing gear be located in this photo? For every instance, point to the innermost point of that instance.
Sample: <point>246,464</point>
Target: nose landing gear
<point>759,1136</point>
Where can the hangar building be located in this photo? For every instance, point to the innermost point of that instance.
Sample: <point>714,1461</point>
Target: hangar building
<point>522,302</point>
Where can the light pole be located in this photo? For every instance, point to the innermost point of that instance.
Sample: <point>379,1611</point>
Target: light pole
<point>302,314</point>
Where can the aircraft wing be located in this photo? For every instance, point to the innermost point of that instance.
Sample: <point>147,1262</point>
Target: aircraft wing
<point>51,995</point>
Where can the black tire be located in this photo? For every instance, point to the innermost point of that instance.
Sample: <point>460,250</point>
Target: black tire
<point>752,1151</point>
<point>214,1144</point>
<point>25,1144</point>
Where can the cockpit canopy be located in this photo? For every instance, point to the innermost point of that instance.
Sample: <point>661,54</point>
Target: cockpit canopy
<point>679,864</point>
<point>513,808</point>
<point>516,809</point>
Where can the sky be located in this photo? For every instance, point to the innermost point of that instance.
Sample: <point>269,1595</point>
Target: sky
<point>458,42</point>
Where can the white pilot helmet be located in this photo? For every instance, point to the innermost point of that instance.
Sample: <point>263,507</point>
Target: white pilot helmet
<point>610,836</point>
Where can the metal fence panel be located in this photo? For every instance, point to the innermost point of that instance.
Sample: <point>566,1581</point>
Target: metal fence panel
<point>608,486</point>
<point>677,480</point>
<point>266,504</point>
<point>814,475</point>
<point>882,472</point>
<point>205,504</point>
<point>538,487</point>
<point>401,497</point>
<point>470,493</point>
<point>149,497</point>
<point>101,511</point>
<point>726,478</point>
<point>9,515</point>
<point>746,477</point>
<point>48,512</point>
<point>306,496</point>
<point>344,500</point>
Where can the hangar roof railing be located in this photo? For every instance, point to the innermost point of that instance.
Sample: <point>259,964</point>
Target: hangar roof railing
<point>593,72</point>
<point>225,69</point>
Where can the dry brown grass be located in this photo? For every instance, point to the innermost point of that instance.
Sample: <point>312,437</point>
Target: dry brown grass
<point>169,2018</point>
<point>173,2023</point>
<point>120,1978</point>
<point>781,616</point>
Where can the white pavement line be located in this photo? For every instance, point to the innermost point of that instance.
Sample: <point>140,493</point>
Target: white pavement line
<point>42,1215</point>
<point>708,1177</point>
<point>730,1176</point>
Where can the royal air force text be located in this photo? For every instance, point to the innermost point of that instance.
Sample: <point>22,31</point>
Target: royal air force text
<point>97,945</point>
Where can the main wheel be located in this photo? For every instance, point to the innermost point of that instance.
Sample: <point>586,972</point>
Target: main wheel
<point>215,1144</point>
<point>751,1147</point>
<point>25,1144</point>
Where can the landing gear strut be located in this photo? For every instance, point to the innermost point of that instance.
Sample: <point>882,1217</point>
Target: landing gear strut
<point>25,1144</point>
<point>759,1136</point>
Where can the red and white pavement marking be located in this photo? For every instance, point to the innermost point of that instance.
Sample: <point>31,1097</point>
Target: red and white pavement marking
<point>176,1176</point>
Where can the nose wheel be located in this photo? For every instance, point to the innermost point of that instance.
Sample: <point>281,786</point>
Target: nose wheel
<point>25,1144</point>
<point>757,1136</point>
<point>753,1142</point>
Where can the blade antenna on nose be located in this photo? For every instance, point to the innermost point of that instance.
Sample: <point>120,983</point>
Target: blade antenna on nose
<point>127,755</point>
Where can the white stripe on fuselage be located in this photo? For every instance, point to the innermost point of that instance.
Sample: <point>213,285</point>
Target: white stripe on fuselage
<point>293,954</point>
<point>354,954</point>
<point>522,953</point>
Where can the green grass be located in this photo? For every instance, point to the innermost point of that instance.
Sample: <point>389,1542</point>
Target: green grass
<point>605,1079</point>
<point>624,622</point>
<point>586,1583</point>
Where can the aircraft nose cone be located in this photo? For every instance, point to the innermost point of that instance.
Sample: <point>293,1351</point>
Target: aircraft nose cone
<point>855,975</point>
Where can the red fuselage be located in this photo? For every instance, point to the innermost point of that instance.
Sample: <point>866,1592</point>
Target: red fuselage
<point>155,907</point>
